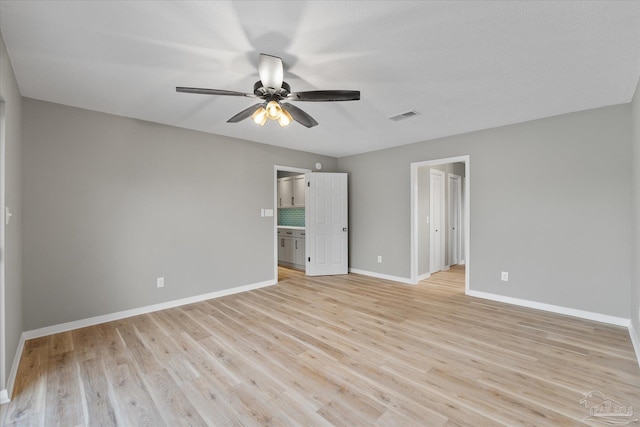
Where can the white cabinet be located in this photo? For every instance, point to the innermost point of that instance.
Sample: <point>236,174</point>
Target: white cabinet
<point>291,192</point>
<point>291,249</point>
<point>285,192</point>
<point>286,246</point>
<point>298,191</point>
<point>299,249</point>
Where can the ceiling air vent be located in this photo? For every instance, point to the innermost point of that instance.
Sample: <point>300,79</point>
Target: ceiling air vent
<point>403,116</point>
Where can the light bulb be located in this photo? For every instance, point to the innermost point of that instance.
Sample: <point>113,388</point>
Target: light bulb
<point>285,118</point>
<point>273,110</point>
<point>259,116</point>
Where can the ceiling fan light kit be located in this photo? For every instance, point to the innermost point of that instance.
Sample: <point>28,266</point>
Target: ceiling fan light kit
<point>273,90</point>
<point>285,118</point>
<point>260,116</point>
<point>274,110</point>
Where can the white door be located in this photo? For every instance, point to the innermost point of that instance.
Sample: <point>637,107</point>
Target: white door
<point>326,222</point>
<point>463,210</point>
<point>436,212</point>
<point>455,205</point>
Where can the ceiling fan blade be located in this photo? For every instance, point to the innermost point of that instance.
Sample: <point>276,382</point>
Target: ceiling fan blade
<point>325,95</point>
<point>299,116</point>
<point>271,71</point>
<point>213,92</point>
<point>244,113</point>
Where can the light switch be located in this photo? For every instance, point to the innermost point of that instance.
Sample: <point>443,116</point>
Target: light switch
<point>268,212</point>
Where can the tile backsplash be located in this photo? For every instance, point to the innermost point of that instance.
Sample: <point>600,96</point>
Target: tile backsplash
<point>293,217</point>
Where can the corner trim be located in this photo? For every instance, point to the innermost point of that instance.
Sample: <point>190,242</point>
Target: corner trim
<point>76,324</point>
<point>422,277</point>
<point>5,395</point>
<point>635,340</point>
<point>382,276</point>
<point>588,315</point>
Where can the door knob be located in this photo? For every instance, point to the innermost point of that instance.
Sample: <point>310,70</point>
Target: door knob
<point>344,228</point>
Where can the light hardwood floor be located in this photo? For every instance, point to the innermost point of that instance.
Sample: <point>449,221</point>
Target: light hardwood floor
<point>285,273</point>
<point>342,350</point>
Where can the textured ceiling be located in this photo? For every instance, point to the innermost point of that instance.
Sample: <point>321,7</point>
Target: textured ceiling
<point>463,66</point>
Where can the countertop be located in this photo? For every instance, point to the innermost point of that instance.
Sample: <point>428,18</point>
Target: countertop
<point>292,227</point>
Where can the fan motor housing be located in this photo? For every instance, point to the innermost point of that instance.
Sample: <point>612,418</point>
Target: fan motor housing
<point>260,91</point>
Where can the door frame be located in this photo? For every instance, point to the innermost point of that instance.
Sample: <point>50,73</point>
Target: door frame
<point>443,222</point>
<point>458,180</point>
<point>276,169</point>
<point>466,159</point>
<point>4,386</point>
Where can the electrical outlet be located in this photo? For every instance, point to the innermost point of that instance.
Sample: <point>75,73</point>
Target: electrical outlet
<point>160,282</point>
<point>379,259</point>
<point>505,276</point>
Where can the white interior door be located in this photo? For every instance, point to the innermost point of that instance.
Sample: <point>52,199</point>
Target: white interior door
<point>436,212</point>
<point>463,221</point>
<point>455,198</point>
<point>326,223</point>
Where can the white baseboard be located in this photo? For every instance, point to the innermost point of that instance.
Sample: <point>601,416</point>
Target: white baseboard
<point>63,327</point>
<point>598,317</point>
<point>635,340</point>
<point>462,262</point>
<point>4,397</point>
<point>382,276</point>
<point>14,371</point>
<point>423,277</point>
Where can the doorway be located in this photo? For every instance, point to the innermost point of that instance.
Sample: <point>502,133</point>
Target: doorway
<point>316,242</point>
<point>289,226</point>
<point>449,215</point>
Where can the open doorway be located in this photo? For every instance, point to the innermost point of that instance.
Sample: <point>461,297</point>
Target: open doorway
<point>440,191</point>
<point>290,230</point>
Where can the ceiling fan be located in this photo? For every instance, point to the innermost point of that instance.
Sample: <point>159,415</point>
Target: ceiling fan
<point>274,92</point>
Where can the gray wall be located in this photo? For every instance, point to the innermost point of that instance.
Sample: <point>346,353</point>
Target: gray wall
<point>635,261</point>
<point>549,204</point>
<point>112,203</point>
<point>10,95</point>
<point>424,192</point>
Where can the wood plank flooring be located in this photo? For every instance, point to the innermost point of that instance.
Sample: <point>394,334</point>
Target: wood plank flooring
<point>285,273</point>
<point>342,350</point>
